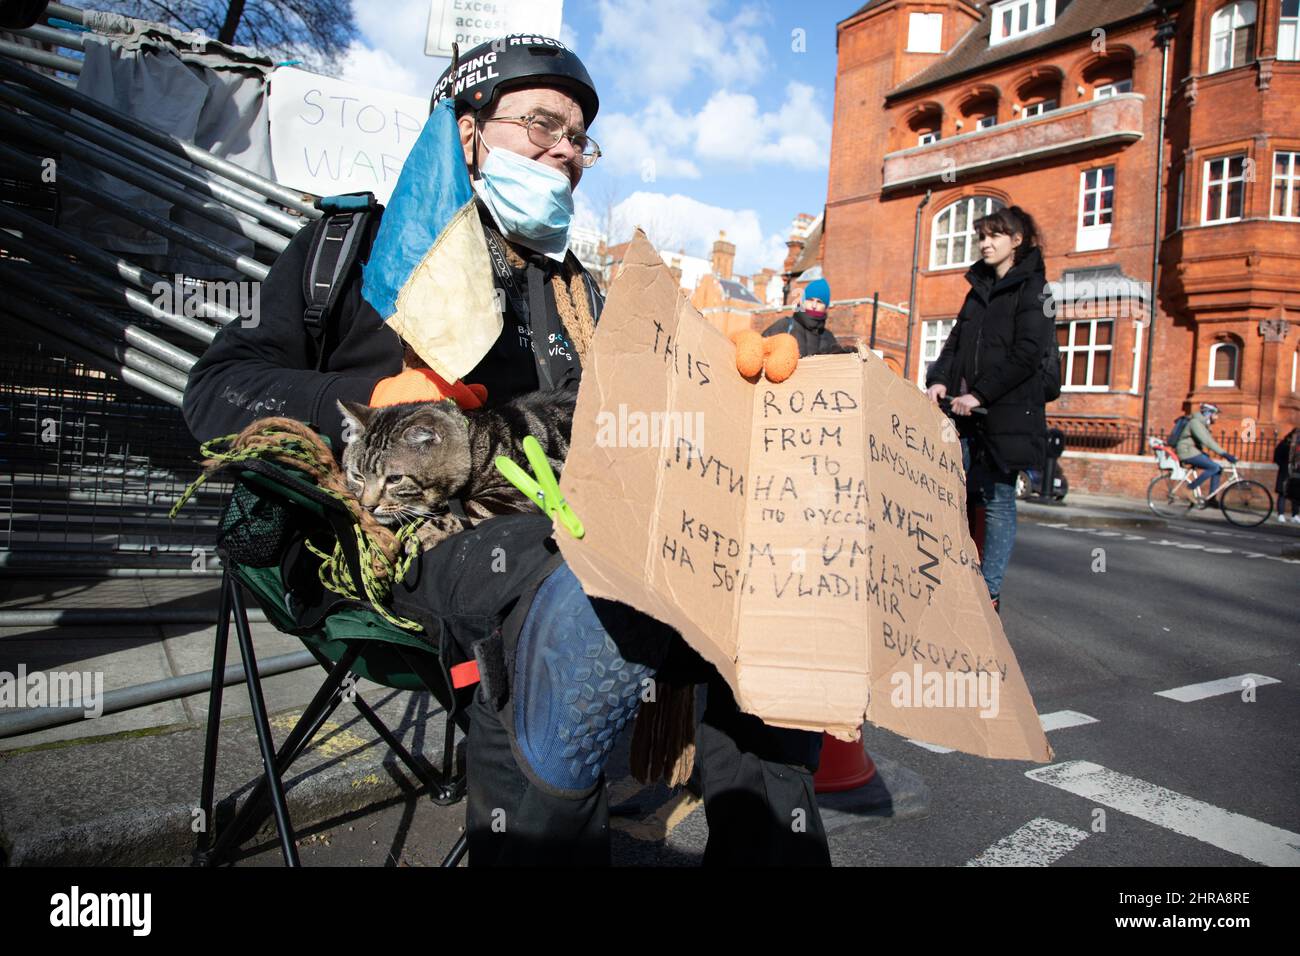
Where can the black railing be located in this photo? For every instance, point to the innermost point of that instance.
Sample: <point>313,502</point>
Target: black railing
<point>1256,447</point>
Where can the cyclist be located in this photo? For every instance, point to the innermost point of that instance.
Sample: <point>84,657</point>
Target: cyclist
<point>1193,444</point>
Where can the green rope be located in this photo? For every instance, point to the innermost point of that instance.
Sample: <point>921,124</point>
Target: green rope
<point>333,572</point>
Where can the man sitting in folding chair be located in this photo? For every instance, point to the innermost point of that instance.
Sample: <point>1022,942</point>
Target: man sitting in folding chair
<point>535,758</point>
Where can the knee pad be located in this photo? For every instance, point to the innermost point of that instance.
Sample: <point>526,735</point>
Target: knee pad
<point>572,689</point>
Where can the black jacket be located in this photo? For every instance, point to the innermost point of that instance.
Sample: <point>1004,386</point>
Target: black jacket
<point>996,350</point>
<point>269,368</point>
<point>811,334</point>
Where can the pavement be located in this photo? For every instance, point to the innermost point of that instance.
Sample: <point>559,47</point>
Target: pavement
<point>123,788</point>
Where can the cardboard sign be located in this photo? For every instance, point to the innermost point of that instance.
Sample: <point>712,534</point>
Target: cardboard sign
<point>330,137</point>
<point>809,539</point>
<point>471,22</point>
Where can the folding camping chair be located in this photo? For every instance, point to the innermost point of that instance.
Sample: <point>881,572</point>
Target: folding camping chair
<point>273,512</point>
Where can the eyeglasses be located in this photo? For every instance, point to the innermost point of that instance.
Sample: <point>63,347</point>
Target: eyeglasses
<point>546,132</point>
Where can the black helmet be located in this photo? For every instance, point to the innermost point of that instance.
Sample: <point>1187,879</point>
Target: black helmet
<point>507,61</point>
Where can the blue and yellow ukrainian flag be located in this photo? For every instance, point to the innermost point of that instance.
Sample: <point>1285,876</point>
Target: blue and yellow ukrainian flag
<point>429,275</point>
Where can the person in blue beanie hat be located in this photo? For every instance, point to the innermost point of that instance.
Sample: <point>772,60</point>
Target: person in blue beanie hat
<point>808,324</point>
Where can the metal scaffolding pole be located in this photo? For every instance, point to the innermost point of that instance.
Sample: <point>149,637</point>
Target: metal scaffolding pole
<point>29,54</point>
<point>24,163</point>
<point>128,376</point>
<point>57,92</point>
<point>135,300</point>
<point>146,342</point>
<point>33,130</point>
<point>29,719</point>
<point>100,134</point>
<point>137,275</point>
<point>108,349</point>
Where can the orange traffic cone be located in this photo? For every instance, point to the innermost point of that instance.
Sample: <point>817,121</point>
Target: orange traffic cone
<point>843,766</point>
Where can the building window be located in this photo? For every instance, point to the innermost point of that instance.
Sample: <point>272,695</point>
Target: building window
<point>1286,185</point>
<point>928,137</point>
<point>1178,213</point>
<point>933,335</point>
<point>1096,208</point>
<point>925,33</point>
<point>1038,109</point>
<point>1232,36</point>
<point>1114,89</point>
<point>1086,346</point>
<point>984,122</point>
<point>1288,34</point>
<point>1225,189</point>
<point>1223,365</point>
<point>954,242</point>
<point>1015,18</point>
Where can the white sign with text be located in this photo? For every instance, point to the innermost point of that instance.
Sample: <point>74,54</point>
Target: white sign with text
<point>471,22</point>
<point>330,137</point>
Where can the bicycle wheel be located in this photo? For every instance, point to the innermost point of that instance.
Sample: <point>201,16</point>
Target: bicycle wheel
<point>1247,504</point>
<point>1168,498</point>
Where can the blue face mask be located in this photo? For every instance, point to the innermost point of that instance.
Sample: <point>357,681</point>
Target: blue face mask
<point>531,202</point>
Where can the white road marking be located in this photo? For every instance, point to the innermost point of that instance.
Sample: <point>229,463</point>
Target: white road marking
<point>1055,721</point>
<point>1040,842</point>
<point>1214,688</point>
<point>1064,718</point>
<point>934,747</point>
<point>1166,543</point>
<point>1251,839</point>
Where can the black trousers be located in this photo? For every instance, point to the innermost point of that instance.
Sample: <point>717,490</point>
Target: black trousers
<point>757,780</point>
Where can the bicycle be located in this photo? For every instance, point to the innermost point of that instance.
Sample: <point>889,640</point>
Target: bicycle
<point>1244,503</point>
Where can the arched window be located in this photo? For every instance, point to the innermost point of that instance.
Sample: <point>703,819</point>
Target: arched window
<point>1232,36</point>
<point>1224,358</point>
<point>952,234</point>
<point>925,124</point>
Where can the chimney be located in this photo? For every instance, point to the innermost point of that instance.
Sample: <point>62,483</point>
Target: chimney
<point>759,284</point>
<point>724,256</point>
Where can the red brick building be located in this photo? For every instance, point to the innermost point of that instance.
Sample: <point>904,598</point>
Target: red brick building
<point>945,109</point>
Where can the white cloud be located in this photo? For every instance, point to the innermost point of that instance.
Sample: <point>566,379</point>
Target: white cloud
<point>396,29</point>
<point>658,142</point>
<point>676,222</point>
<point>651,144</point>
<point>367,66</point>
<point>657,47</point>
<point>730,128</point>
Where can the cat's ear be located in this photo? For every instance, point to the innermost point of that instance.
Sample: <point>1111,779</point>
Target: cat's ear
<point>356,418</point>
<point>422,433</point>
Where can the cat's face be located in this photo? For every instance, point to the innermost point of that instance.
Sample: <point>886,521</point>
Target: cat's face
<point>405,461</point>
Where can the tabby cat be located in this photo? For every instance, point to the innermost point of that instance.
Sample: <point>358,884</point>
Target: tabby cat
<point>413,461</point>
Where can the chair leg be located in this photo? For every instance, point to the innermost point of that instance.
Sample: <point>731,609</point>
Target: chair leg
<point>324,703</point>
<point>258,705</point>
<point>453,857</point>
<point>214,717</point>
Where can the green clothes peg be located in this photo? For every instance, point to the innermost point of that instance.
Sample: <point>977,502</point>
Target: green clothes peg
<point>543,489</point>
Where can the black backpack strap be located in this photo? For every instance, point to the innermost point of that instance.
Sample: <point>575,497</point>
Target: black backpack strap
<point>334,250</point>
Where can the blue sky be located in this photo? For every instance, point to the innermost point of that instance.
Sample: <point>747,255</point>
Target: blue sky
<point>711,115</point>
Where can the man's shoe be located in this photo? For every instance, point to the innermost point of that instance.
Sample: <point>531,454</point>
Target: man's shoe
<point>1282,518</point>
<point>997,605</point>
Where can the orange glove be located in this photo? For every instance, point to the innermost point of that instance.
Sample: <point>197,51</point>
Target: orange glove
<point>425,385</point>
<point>776,355</point>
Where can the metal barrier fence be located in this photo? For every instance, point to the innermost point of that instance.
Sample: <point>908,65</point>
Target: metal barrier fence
<point>93,449</point>
<point>1257,447</point>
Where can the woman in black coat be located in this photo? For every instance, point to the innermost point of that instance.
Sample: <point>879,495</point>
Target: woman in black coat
<point>1283,455</point>
<point>992,368</point>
